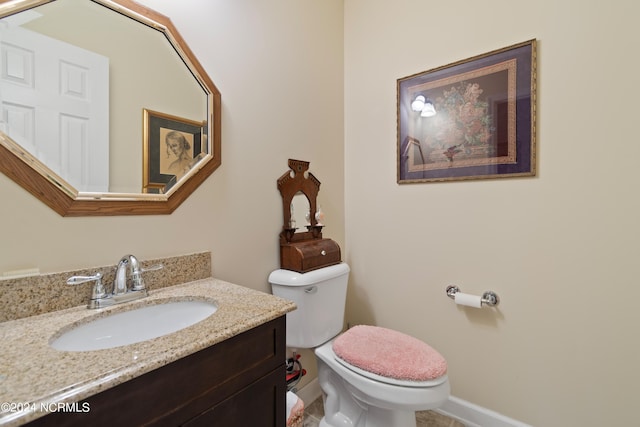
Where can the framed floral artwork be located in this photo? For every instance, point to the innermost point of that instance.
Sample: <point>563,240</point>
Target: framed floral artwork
<point>473,119</point>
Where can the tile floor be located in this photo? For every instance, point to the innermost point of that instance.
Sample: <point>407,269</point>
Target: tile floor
<point>314,412</point>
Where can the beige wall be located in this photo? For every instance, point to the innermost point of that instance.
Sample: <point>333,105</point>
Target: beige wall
<point>560,249</point>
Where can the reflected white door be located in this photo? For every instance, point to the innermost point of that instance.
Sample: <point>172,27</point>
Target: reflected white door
<point>55,103</point>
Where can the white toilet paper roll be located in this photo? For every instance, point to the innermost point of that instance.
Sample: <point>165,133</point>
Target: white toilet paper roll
<point>468,300</point>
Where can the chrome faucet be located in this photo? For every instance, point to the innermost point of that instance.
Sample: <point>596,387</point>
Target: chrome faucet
<point>121,291</point>
<point>127,263</point>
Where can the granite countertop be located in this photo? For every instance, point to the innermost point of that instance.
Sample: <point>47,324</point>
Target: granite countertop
<point>33,375</point>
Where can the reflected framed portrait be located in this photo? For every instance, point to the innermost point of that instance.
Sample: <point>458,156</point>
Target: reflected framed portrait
<point>172,146</point>
<point>473,119</point>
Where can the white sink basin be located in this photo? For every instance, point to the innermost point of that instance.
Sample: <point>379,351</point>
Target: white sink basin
<point>137,325</point>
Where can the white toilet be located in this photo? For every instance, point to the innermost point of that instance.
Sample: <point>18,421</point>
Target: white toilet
<point>364,383</point>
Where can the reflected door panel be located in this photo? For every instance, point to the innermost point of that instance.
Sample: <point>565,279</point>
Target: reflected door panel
<point>55,104</point>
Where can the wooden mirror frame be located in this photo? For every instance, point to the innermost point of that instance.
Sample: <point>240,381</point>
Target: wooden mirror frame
<point>31,175</point>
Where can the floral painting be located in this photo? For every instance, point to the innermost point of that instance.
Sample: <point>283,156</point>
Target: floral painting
<point>480,119</point>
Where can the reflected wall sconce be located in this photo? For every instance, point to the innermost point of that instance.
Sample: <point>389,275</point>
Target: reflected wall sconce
<point>424,105</point>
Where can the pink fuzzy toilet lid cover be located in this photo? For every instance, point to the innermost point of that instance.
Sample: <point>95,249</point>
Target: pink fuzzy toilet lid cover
<point>389,353</point>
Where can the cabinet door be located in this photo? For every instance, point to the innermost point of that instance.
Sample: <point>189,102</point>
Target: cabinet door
<point>258,405</point>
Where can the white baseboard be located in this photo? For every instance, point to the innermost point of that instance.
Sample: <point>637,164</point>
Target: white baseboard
<point>465,412</point>
<point>310,392</point>
<point>472,415</point>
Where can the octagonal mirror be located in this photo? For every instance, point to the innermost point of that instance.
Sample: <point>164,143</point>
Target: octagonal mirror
<point>104,109</point>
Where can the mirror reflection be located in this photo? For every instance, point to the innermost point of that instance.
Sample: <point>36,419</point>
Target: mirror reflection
<point>76,79</point>
<point>300,209</point>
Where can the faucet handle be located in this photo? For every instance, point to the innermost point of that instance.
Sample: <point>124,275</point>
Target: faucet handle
<point>98,289</point>
<point>152,268</point>
<point>138,281</point>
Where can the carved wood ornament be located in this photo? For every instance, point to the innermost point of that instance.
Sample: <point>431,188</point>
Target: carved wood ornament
<point>290,184</point>
<point>306,250</point>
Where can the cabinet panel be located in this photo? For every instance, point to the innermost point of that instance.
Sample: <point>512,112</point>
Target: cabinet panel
<point>255,406</point>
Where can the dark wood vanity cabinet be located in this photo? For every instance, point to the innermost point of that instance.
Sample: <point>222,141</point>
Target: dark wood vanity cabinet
<point>237,382</point>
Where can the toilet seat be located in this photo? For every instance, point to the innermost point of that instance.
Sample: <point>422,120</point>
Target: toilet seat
<point>389,380</point>
<point>390,356</point>
<point>380,394</point>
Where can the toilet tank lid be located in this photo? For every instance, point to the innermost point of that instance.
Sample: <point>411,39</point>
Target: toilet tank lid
<point>293,278</point>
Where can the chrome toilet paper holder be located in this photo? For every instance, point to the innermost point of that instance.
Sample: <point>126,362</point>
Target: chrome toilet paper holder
<point>489,298</point>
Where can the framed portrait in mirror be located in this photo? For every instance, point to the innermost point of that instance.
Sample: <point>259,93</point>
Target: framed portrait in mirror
<point>172,146</point>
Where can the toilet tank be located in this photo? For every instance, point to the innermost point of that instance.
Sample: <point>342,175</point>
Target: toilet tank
<point>320,296</point>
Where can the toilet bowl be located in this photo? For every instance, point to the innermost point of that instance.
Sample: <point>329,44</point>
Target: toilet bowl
<point>369,400</point>
<point>356,394</point>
